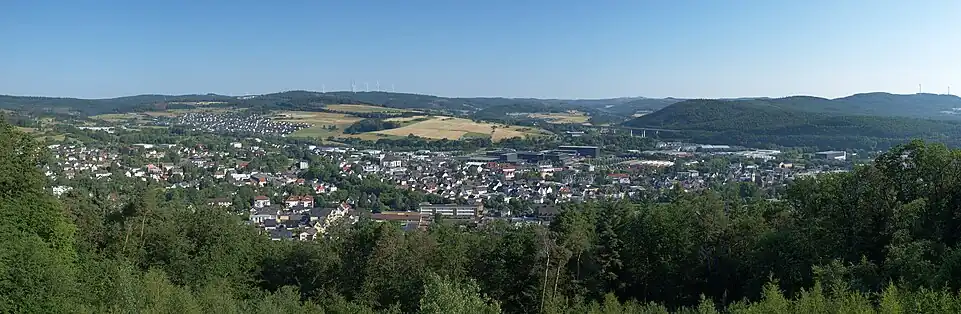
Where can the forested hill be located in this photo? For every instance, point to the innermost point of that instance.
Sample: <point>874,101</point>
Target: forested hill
<point>97,106</point>
<point>761,122</point>
<point>301,100</point>
<point>913,105</point>
<point>876,104</point>
<point>879,104</point>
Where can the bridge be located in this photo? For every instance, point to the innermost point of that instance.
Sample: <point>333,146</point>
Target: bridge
<point>636,131</point>
<point>649,129</point>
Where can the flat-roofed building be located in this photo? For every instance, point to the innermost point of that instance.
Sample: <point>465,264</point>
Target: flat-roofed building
<point>584,151</point>
<point>452,210</point>
<point>832,155</point>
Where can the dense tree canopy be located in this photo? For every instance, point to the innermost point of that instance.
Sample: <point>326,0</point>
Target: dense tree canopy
<point>370,125</point>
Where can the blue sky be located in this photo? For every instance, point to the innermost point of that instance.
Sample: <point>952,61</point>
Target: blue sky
<point>518,48</point>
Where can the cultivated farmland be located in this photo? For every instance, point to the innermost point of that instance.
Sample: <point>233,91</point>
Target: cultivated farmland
<point>451,128</point>
<point>567,117</point>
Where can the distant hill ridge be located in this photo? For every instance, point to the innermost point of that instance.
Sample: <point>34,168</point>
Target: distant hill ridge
<point>880,104</point>
<point>799,121</point>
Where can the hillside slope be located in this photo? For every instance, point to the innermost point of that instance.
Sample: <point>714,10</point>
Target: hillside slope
<point>913,105</point>
<point>762,122</point>
<point>99,106</point>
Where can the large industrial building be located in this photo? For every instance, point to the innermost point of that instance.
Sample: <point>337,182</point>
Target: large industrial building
<point>452,210</point>
<point>584,151</point>
<point>832,155</point>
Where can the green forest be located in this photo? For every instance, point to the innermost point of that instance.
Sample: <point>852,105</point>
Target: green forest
<point>371,125</point>
<point>761,123</point>
<point>881,239</point>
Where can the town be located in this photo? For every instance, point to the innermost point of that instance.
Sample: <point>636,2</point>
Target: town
<point>301,191</point>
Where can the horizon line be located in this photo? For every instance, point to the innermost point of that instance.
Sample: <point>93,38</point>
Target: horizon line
<point>504,97</point>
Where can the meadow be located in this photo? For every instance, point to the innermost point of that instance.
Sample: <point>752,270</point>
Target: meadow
<point>321,122</point>
<point>559,118</point>
<point>365,109</point>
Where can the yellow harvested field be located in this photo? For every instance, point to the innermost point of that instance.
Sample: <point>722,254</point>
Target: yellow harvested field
<point>568,117</point>
<point>455,128</point>
<point>364,108</point>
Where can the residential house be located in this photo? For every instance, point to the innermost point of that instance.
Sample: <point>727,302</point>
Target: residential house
<point>390,161</point>
<point>621,178</point>
<point>300,201</point>
<point>263,215</point>
<point>261,201</point>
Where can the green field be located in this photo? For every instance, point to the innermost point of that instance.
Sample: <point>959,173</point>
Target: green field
<point>42,136</point>
<point>320,123</point>
<point>475,135</point>
<point>365,109</point>
<point>562,118</point>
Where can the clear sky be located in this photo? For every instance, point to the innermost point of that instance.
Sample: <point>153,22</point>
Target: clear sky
<point>511,48</point>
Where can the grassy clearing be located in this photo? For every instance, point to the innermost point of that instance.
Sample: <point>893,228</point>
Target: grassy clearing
<point>364,109</point>
<point>405,121</point>
<point>42,136</point>
<point>54,138</point>
<point>320,122</point>
<point>567,117</point>
<point>456,128</point>
<point>197,103</point>
<point>115,117</point>
<point>148,127</point>
<point>475,135</point>
<point>169,114</point>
